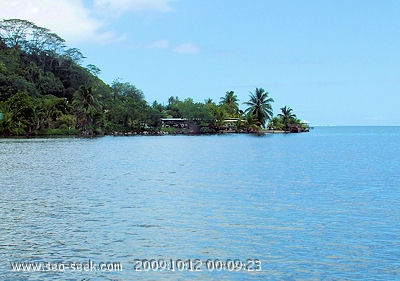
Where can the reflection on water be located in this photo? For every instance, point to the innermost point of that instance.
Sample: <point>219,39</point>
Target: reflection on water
<point>317,206</point>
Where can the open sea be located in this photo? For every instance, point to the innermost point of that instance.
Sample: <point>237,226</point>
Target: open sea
<point>323,205</point>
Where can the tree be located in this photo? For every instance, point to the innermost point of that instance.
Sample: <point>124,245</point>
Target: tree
<point>287,116</point>
<point>14,32</point>
<point>48,84</point>
<point>260,106</point>
<point>230,104</point>
<point>172,109</point>
<point>94,70</point>
<point>39,39</point>
<point>126,89</point>
<point>19,116</point>
<point>87,108</point>
<point>127,111</point>
<point>172,100</point>
<point>208,101</point>
<point>74,54</point>
<point>275,124</point>
<point>157,106</point>
<point>252,125</point>
<point>51,108</point>
<point>220,117</point>
<point>25,35</point>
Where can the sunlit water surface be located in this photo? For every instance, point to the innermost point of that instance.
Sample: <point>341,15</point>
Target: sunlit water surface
<point>318,206</point>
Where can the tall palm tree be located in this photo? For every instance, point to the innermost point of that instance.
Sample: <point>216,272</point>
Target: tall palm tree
<point>260,106</point>
<point>87,108</point>
<point>287,116</point>
<point>230,103</point>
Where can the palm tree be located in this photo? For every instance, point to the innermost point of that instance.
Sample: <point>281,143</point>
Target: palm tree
<point>287,116</point>
<point>260,106</point>
<point>251,123</point>
<point>219,118</point>
<point>87,108</point>
<point>230,103</point>
<point>172,100</point>
<point>208,101</point>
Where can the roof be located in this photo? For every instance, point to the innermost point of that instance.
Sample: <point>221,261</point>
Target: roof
<point>173,119</point>
<point>231,120</point>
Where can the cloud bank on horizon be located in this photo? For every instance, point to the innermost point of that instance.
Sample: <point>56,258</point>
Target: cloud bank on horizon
<point>80,21</point>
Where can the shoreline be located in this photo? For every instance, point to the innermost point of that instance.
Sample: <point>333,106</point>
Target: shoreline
<point>129,134</point>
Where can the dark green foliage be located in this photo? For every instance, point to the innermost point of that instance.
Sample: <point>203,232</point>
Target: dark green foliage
<point>260,106</point>
<point>12,84</point>
<point>87,110</point>
<point>50,85</point>
<point>127,111</point>
<point>59,132</point>
<point>19,115</point>
<point>37,72</point>
<point>285,119</point>
<point>230,104</point>
<point>51,110</point>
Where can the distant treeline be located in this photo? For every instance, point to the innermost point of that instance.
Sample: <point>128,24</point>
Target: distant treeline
<point>44,90</point>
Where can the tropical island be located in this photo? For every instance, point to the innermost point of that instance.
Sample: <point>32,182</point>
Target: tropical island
<point>45,90</point>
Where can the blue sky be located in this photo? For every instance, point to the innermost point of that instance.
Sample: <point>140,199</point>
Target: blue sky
<point>334,62</point>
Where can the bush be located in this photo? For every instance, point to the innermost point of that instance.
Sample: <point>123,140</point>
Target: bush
<point>59,132</point>
<point>169,130</point>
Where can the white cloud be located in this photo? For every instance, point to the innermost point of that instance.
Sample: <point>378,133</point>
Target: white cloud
<point>68,18</point>
<point>75,22</point>
<point>187,48</point>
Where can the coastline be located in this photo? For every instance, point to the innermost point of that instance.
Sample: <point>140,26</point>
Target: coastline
<point>145,133</point>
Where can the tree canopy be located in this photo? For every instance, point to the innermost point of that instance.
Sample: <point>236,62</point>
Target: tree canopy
<point>260,106</point>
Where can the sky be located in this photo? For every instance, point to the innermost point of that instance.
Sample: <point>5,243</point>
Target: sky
<point>334,62</point>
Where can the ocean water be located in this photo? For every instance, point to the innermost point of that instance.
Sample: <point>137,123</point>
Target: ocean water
<point>323,205</point>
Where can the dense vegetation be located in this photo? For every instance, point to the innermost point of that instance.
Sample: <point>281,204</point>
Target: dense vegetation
<point>45,90</point>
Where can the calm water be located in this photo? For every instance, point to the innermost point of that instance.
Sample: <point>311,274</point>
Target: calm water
<point>318,206</point>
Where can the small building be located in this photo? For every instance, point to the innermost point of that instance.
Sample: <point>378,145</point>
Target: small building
<point>231,123</point>
<point>295,129</point>
<point>175,122</point>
